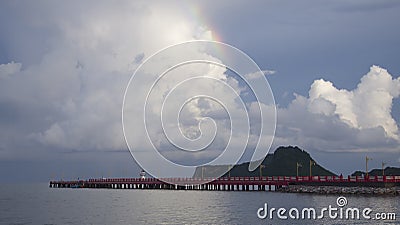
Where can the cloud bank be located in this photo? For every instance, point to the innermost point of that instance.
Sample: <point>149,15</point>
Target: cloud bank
<point>74,93</point>
<point>64,90</point>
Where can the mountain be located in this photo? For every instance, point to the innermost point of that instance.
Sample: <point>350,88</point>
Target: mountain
<point>283,162</point>
<point>389,171</point>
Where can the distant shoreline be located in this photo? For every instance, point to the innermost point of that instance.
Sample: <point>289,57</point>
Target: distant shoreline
<point>335,190</point>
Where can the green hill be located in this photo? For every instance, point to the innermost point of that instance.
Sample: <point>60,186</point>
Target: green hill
<point>283,162</point>
<point>389,171</point>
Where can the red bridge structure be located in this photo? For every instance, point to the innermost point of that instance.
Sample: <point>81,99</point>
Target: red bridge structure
<point>229,183</point>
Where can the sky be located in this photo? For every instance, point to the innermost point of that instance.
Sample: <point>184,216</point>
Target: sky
<point>332,67</point>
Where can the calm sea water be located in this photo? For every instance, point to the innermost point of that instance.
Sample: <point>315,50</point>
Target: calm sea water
<point>38,204</point>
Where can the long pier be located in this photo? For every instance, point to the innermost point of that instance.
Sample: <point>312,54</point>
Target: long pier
<point>228,183</point>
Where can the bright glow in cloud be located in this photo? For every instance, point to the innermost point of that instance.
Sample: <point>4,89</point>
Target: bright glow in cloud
<point>75,91</point>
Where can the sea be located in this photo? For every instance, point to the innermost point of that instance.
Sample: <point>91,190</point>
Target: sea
<point>39,204</point>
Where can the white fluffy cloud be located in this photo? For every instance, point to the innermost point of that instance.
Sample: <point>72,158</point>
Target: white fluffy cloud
<point>368,106</point>
<point>257,75</point>
<point>77,86</point>
<point>9,69</point>
<point>73,94</point>
<point>338,119</point>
